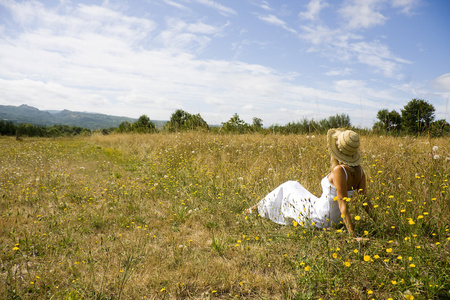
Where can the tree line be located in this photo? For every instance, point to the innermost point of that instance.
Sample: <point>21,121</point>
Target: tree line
<point>184,121</point>
<point>8,128</point>
<point>416,117</point>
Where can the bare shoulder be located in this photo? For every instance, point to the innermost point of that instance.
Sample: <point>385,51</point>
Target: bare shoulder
<point>337,174</point>
<point>338,171</point>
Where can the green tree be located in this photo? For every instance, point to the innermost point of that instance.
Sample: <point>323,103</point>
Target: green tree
<point>417,116</point>
<point>181,120</point>
<point>7,128</point>
<point>144,125</point>
<point>388,121</point>
<point>440,128</point>
<point>236,125</point>
<point>196,122</point>
<point>124,127</point>
<point>337,121</point>
<point>257,124</point>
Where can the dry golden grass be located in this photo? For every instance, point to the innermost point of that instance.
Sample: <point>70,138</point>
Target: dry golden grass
<point>158,216</point>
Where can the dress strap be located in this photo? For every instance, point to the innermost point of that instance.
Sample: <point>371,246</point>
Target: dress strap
<point>346,177</point>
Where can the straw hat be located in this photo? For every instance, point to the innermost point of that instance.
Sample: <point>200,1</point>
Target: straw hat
<point>344,146</point>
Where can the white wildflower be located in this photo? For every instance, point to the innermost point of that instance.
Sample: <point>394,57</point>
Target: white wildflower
<point>436,157</point>
<point>435,148</point>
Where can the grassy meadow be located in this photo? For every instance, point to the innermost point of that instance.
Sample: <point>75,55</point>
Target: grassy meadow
<point>159,216</point>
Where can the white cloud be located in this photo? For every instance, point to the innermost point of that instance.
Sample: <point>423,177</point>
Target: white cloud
<point>200,27</point>
<point>214,101</point>
<point>406,6</point>
<point>319,34</point>
<point>264,5</point>
<point>339,72</point>
<point>378,55</point>
<point>219,7</point>
<point>442,83</point>
<point>314,8</point>
<point>56,96</point>
<point>175,4</point>
<point>387,67</point>
<point>274,20</point>
<point>363,14</point>
<point>357,91</point>
<point>375,48</point>
<point>339,44</point>
<point>346,42</point>
<point>180,35</point>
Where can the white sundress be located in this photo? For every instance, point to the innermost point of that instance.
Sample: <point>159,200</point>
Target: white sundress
<point>292,202</point>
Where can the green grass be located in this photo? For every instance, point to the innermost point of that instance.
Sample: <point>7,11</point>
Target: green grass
<point>160,216</point>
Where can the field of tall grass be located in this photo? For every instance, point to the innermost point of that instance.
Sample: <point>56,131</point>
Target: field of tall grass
<point>159,216</point>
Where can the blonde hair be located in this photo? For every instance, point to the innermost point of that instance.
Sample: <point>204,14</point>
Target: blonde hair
<point>334,162</point>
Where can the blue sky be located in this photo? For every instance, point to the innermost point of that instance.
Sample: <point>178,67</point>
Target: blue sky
<point>281,61</point>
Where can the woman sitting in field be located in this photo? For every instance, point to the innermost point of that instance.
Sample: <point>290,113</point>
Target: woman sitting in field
<point>291,202</point>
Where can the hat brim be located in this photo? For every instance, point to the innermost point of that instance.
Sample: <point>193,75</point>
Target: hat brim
<point>349,160</point>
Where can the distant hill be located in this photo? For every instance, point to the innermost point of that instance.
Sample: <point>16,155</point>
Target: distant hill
<point>31,115</point>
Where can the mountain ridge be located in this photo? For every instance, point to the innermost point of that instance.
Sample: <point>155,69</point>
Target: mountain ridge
<point>32,115</point>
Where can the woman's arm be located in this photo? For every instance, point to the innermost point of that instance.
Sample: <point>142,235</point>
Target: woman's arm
<point>340,183</point>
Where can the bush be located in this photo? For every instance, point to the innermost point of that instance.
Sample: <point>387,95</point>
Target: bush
<point>183,121</point>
